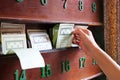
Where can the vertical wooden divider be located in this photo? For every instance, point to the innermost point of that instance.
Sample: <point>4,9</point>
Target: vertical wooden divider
<point>112,28</point>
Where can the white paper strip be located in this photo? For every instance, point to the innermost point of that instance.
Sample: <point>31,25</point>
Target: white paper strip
<point>81,26</point>
<point>30,58</point>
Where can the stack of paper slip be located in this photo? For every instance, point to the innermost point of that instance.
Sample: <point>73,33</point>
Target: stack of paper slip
<point>12,37</point>
<point>39,39</point>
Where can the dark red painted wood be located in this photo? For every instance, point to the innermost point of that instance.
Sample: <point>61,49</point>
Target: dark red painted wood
<point>53,12</point>
<point>32,11</point>
<point>8,65</point>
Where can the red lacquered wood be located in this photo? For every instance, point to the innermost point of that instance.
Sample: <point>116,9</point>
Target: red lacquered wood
<point>32,11</point>
<point>8,65</point>
<point>53,12</point>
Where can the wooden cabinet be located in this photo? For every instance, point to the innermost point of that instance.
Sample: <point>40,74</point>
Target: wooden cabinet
<point>62,64</point>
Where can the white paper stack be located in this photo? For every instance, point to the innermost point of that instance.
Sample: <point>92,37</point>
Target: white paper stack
<point>64,38</point>
<point>12,37</point>
<point>14,41</point>
<point>39,39</point>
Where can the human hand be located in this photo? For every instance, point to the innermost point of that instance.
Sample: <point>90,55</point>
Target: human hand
<point>85,39</point>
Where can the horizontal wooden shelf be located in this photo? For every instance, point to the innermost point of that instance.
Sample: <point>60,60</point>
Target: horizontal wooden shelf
<point>23,20</point>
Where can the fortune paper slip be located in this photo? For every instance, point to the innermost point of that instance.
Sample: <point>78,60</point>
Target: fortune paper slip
<point>12,28</point>
<point>12,37</point>
<point>29,58</point>
<point>39,39</point>
<point>13,41</point>
<point>64,38</point>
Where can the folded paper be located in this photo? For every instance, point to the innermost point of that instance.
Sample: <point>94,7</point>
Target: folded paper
<point>29,58</point>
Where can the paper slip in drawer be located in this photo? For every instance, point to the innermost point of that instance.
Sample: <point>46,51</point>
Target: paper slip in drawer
<point>39,39</point>
<point>12,28</point>
<point>14,41</point>
<point>64,37</point>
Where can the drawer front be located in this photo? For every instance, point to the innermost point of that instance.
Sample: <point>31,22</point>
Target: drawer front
<point>71,11</point>
<point>70,64</point>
